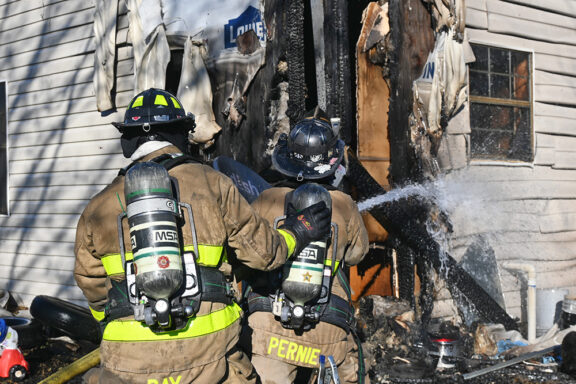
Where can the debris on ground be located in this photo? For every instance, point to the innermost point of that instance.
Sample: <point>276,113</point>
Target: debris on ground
<point>398,350</point>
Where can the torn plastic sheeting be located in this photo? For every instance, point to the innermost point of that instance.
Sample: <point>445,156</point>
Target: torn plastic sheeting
<point>151,49</point>
<point>234,34</point>
<point>442,86</point>
<point>195,93</point>
<point>105,16</point>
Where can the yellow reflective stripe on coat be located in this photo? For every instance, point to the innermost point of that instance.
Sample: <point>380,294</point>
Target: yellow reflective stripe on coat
<point>290,241</point>
<point>210,256</point>
<point>328,263</point>
<point>98,315</point>
<point>132,330</point>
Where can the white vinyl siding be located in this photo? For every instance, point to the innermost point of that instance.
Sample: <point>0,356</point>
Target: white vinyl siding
<point>62,150</point>
<point>527,212</point>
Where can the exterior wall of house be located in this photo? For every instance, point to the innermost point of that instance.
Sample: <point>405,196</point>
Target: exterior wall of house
<point>523,212</point>
<point>61,150</point>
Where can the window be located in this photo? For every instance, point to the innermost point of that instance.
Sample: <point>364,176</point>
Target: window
<point>501,104</point>
<point>3,149</point>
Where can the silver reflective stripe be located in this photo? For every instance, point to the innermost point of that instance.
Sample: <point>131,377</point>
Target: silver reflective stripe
<point>151,205</point>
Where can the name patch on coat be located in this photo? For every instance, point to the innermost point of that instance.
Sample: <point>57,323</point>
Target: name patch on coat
<point>166,380</point>
<point>292,351</point>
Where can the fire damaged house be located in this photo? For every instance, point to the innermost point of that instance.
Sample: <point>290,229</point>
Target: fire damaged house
<point>459,118</point>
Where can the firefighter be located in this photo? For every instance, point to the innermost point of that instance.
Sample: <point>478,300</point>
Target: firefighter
<point>280,349</point>
<point>198,341</point>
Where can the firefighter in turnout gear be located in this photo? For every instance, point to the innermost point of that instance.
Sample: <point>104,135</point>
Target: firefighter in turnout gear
<point>281,343</point>
<point>151,261</point>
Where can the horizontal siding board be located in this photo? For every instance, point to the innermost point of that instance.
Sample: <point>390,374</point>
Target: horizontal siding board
<point>561,126</point>
<point>60,108</point>
<point>557,142</point>
<point>546,78</point>
<point>114,161</point>
<point>56,235</point>
<point>476,18</point>
<point>532,29</point>
<point>565,7</point>
<point>39,221</point>
<point>16,7</point>
<point>542,109</point>
<point>556,94</point>
<point>51,207</point>
<point>45,55</point>
<point>560,206</point>
<point>515,11</point>
<point>559,222</point>
<point>565,160</point>
<point>29,250</point>
<point>56,66</point>
<point>71,121</point>
<point>549,255</point>
<point>53,39</point>
<point>73,76</point>
<point>56,193</point>
<point>65,64</point>
<point>457,182</point>
<point>81,177</point>
<point>27,288</point>
<point>54,151</point>
<point>44,13</point>
<point>72,135</point>
<point>37,260</point>
<point>65,93</point>
<point>49,32</point>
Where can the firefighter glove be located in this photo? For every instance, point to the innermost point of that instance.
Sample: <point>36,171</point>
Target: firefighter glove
<point>309,224</point>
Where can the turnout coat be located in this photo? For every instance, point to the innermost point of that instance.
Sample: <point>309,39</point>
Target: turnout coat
<point>130,350</point>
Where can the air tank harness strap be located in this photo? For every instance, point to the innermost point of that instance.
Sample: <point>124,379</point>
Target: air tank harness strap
<point>215,288</point>
<point>337,311</point>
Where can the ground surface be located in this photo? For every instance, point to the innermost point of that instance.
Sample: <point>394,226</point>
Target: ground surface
<point>48,357</point>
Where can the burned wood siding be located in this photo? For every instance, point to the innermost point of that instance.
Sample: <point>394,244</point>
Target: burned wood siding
<point>61,151</point>
<point>527,211</point>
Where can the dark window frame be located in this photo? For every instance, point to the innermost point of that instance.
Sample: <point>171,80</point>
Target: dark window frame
<point>4,171</point>
<point>502,128</point>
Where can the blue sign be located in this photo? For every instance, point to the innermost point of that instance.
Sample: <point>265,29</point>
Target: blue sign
<point>250,19</point>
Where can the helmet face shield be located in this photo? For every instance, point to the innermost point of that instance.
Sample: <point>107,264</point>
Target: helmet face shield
<point>311,151</point>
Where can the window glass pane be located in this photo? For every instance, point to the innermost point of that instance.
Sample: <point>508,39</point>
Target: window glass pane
<point>500,118</point>
<point>500,86</point>
<point>478,84</point>
<point>500,109</point>
<point>521,68</point>
<point>499,61</point>
<point>485,143</point>
<point>479,116</point>
<point>481,54</point>
<point>522,145</point>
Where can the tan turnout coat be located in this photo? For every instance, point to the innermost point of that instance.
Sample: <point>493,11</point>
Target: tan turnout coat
<point>222,217</point>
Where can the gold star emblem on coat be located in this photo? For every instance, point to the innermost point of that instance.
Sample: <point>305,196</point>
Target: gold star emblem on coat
<point>307,277</point>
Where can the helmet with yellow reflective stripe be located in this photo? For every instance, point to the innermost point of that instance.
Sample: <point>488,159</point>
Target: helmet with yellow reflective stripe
<point>154,107</point>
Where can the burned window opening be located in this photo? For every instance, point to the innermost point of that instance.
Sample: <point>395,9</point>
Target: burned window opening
<point>501,104</point>
<point>174,70</point>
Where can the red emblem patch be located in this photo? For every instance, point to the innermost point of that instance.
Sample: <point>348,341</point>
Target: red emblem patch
<point>163,262</point>
<point>136,118</point>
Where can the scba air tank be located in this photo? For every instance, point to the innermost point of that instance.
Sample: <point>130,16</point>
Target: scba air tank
<point>152,217</point>
<point>303,274</point>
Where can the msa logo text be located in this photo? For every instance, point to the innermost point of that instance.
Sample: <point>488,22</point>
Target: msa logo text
<point>166,235</point>
<point>308,253</point>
